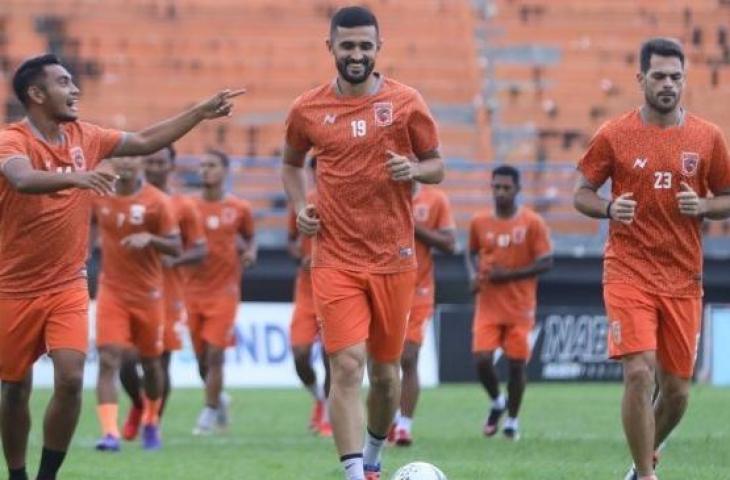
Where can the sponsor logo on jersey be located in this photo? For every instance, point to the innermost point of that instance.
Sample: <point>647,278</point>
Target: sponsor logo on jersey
<point>640,162</point>
<point>329,119</point>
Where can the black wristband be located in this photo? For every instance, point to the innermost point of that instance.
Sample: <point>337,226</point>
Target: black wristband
<point>608,210</point>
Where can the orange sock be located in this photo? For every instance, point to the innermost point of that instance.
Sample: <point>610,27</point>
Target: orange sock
<point>107,413</point>
<point>151,411</point>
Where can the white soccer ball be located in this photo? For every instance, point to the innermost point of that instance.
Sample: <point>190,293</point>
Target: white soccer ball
<point>419,471</point>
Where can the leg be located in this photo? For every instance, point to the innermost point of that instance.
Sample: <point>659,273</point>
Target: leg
<point>302,364</point>
<point>516,386</point>
<point>129,376</point>
<point>214,359</point>
<point>110,358</point>
<point>484,361</point>
<point>670,405</point>
<point>327,373</point>
<point>153,381</point>
<point>636,409</point>
<point>15,420</point>
<point>346,412</point>
<point>152,368</point>
<point>410,385</point>
<point>166,383</point>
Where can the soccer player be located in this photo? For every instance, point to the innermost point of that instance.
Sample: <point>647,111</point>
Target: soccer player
<point>48,163</point>
<point>214,288</point>
<point>663,163</point>
<point>157,169</point>
<point>374,137</point>
<point>434,228</point>
<point>509,246</point>
<point>137,226</point>
<point>304,328</point>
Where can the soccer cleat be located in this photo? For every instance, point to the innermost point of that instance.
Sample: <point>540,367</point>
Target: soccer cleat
<point>151,437</point>
<point>223,416</point>
<point>403,437</point>
<point>108,443</point>
<point>316,416</point>
<point>511,433</point>
<point>391,435</point>
<point>325,429</point>
<point>206,424</point>
<point>372,472</point>
<point>491,425</point>
<point>131,425</point>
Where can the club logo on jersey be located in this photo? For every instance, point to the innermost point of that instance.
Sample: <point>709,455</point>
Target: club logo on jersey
<point>383,113</point>
<point>640,162</point>
<point>77,157</point>
<point>329,119</point>
<point>213,222</point>
<point>690,162</point>
<point>519,234</point>
<point>228,215</point>
<point>405,252</point>
<point>420,212</point>
<point>136,214</point>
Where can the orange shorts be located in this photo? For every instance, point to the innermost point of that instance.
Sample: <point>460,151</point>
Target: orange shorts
<point>514,339</point>
<point>417,321</point>
<point>139,324</point>
<point>357,307</point>
<point>211,320</point>
<point>304,327</point>
<point>176,317</point>
<point>30,327</point>
<point>639,321</point>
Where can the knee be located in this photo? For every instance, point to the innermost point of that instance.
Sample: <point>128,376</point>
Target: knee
<point>409,361</point>
<point>214,358</point>
<point>676,395</point>
<point>383,379</point>
<point>69,383</point>
<point>639,377</point>
<point>347,370</point>
<point>517,368</point>
<point>15,394</point>
<point>109,362</point>
<point>484,360</point>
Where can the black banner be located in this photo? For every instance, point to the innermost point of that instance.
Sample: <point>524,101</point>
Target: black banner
<point>568,344</point>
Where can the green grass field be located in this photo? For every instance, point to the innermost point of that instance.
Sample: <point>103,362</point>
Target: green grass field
<point>568,432</point>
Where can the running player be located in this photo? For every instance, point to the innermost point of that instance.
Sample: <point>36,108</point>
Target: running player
<point>373,138</point>
<point>214,288</point>
<point>137,226</point>
<point>47,163</point>
<point>434,228</point>
<point>509,246</point>
<point>663,163</point>
<point>304,329</point>
<point>157,169</point>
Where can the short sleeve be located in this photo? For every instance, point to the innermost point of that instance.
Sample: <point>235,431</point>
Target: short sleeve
<point>296,129</point>
<point>191,225</point>
<point>422,128</point>
<point>246,225</point>
<point>473,235</point>
<point>99,143</point>
<point>540,243</point>
<point>12,144</point>
<point>597,162</point>
<point>445,218</point>
<point>718,175</point>
<point>168,222</point>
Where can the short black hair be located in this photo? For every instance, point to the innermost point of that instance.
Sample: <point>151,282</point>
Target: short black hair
<point>28,74</point>
<point>662,46</point>
<point>351,17</point>
<point>509,171</point>
<point>225,161</point>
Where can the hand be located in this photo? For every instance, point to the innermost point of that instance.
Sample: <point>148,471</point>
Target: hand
<point>137,241</point>
<point>623,209</point>
<point>100,182</point>
<point>498,274</point>
<point>690,204</point>
<point>169,261</point>
<point>401,168</point>
<point>219,105</point>
<point>248,258</point>
<point>308,221</point>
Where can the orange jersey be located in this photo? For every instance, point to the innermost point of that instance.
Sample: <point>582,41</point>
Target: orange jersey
<point>133,274</point>
<point>192,234</point>
<point>508,243</point>
<point>44,238</point>
<point>431,210</point>
<point>305,242</point>
<point>661,250</point>
<point>367,224</point>
<point>221,270</point>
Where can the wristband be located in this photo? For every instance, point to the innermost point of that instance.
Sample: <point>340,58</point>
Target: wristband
<point>608,210</point>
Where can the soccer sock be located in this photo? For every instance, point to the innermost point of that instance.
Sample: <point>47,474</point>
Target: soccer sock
<point>107,413</point>
<point>353,466</point>
<point>17,474</point>
<point>405,423</point>
<point>51,461</point>
<point>151,411</point>
<point>500,402</point>
<point>373,447</point>
<point>511,422</point>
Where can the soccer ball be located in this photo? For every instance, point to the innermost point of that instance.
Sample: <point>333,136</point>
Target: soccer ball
<point>419,471</point>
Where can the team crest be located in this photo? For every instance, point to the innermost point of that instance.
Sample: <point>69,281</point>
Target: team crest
<point>519,234</point>
<point>690,163</point>
<point>420,213</point>
<point>77,157</point>
<point>383,114</point>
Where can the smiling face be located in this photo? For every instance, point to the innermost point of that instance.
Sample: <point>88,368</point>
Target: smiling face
<point>56,94</point>
<point>663,83</point>
<point>355,50</point>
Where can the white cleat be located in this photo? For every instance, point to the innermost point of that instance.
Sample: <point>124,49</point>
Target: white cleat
<point>206,424</point>
<point>223,414</point>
